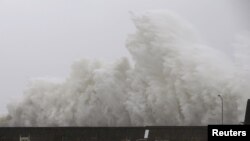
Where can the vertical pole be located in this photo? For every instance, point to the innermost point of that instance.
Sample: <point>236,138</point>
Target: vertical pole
<point>221,108</point>
<point>222,112</point>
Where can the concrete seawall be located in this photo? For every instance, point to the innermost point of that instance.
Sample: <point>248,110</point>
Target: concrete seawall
<point>162,133</point>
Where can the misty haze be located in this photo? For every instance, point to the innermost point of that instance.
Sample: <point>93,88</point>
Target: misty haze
<point>130,65</point>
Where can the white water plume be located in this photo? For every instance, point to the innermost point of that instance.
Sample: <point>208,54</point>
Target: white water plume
<point>174,80</point>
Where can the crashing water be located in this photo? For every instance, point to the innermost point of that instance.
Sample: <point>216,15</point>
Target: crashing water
<point>174,79</point>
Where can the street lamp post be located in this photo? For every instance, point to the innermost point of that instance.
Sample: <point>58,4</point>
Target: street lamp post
<point>221,98</point>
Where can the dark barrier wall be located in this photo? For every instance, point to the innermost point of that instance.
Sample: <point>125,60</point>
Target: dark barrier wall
<point>247,116</point>
<point>168,133</point>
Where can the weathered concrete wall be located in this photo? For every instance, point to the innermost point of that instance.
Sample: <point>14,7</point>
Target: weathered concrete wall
<point>168,133</point>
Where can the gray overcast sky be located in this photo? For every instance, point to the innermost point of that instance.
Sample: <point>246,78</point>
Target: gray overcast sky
<point>40,38</point>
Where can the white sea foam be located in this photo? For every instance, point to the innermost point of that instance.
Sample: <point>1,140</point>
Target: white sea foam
<point>174,80</point>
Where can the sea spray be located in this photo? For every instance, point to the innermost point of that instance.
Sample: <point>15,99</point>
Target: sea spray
<point>174,79</point>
